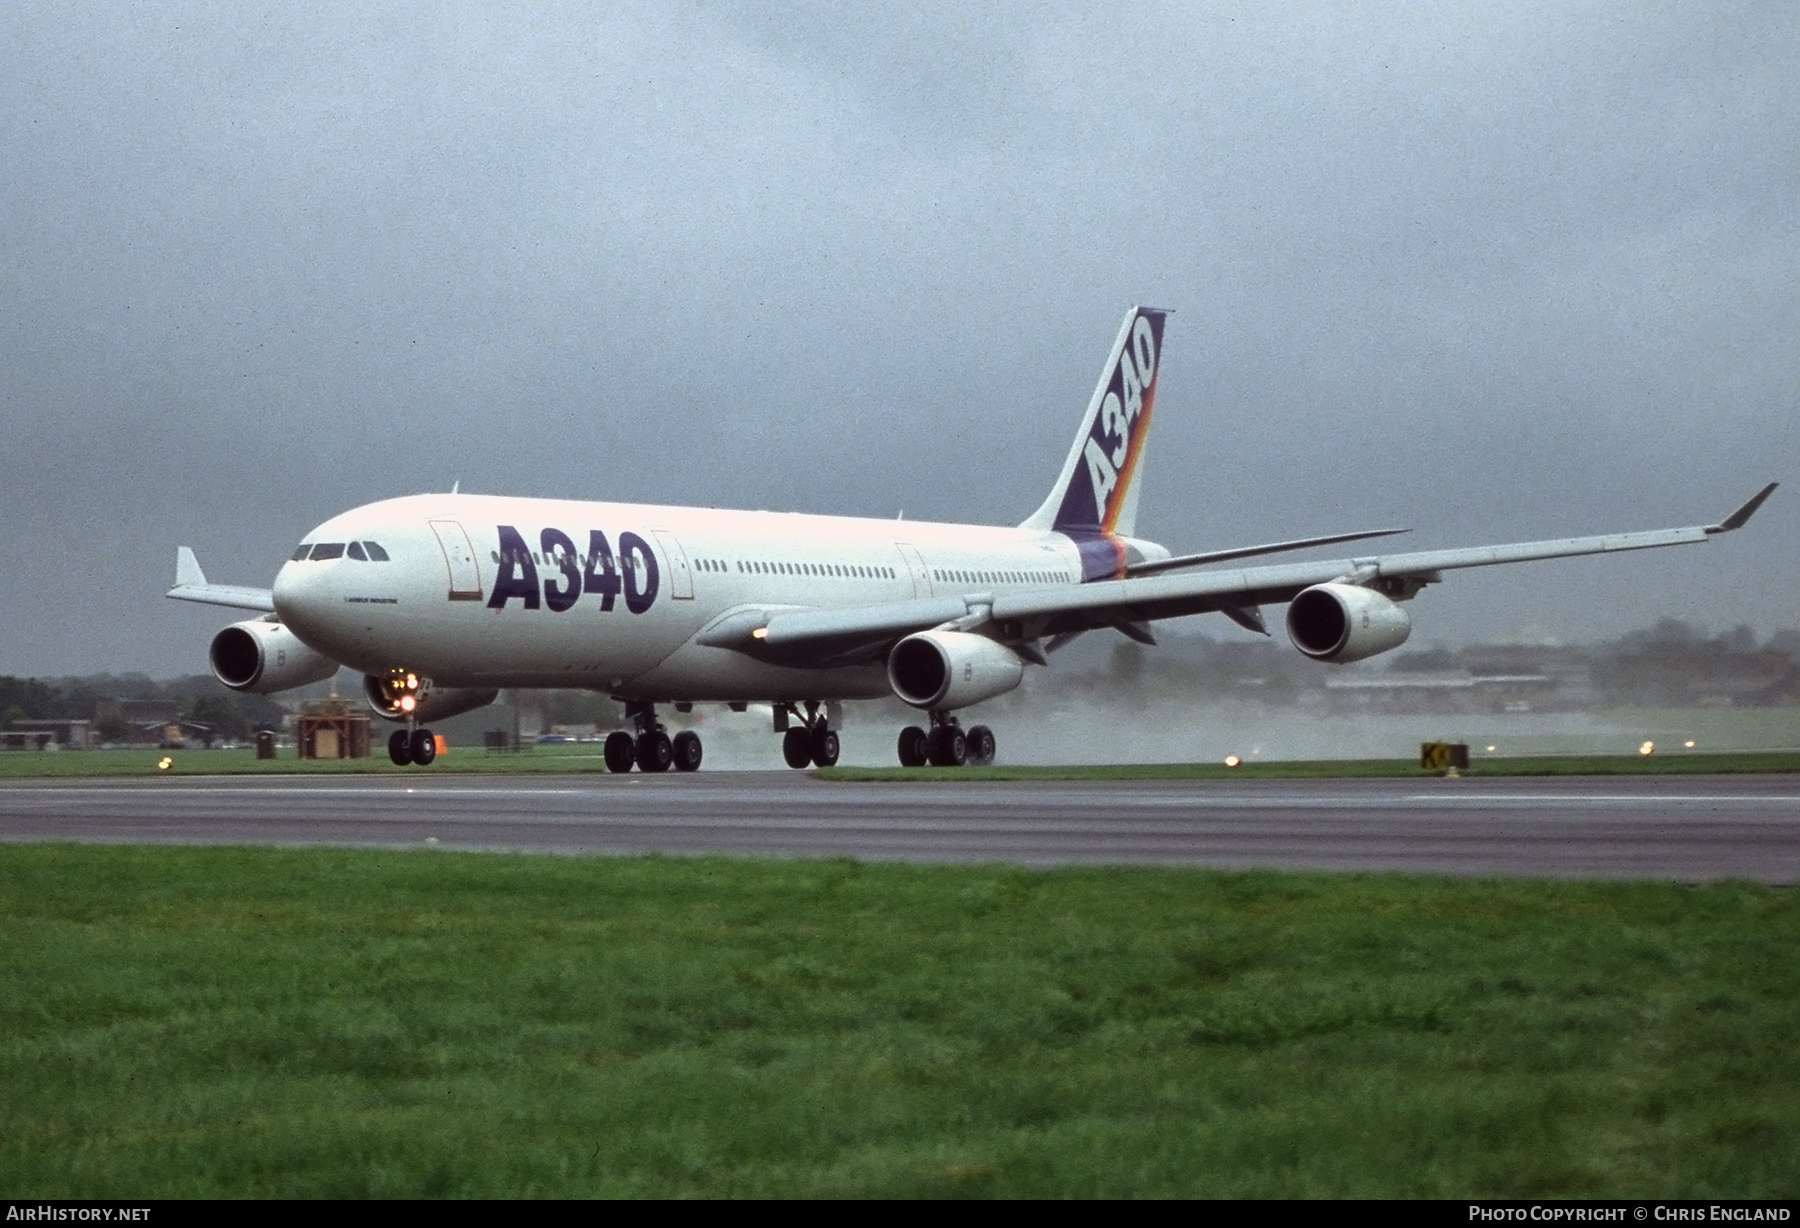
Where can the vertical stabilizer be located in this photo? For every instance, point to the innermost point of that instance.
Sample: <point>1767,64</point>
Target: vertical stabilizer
<point>1096,493</point>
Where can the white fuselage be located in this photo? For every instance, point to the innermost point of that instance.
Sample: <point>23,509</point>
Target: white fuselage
<point>485,591</point>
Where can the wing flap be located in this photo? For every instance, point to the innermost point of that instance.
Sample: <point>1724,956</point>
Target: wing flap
<point>861,622</point>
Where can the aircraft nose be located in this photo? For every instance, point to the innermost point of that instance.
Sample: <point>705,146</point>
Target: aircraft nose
<point>303,596</point>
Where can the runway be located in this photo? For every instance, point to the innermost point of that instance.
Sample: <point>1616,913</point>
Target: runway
<point>1688,828</point>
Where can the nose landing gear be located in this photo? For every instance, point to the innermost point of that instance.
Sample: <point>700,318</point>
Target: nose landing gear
<point>399,696</point>
<point>412,745</point>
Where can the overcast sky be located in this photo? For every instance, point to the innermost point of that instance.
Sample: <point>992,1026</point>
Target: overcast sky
<point>1491,271</point>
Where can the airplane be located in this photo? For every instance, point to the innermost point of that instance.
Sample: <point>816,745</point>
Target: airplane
<point>442,600</point>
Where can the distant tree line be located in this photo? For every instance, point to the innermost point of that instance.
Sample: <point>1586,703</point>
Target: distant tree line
<point>1670,663</point>
<point>199,699</point>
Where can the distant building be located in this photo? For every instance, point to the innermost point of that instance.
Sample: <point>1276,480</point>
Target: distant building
<point>41,734</point>
<point>1447,691</point>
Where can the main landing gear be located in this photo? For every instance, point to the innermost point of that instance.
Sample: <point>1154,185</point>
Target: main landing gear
<point>945,744</point>
<point>812,742</point>
<point>652,750</point>
<point>412,745</point>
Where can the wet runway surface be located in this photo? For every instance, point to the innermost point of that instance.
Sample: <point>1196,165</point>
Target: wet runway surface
<point>1688,827</point>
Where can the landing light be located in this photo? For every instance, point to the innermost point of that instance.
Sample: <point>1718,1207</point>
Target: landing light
<point>759,633</point>
<point>408,703</point>
<point>1646,748</point>
<point>412,682</point>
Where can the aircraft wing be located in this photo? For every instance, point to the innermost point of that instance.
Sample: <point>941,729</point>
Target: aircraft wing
<point>843,635</point>
<point>191,585</point>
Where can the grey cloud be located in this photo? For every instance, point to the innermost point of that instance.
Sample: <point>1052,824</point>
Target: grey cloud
<point>1489,271</point>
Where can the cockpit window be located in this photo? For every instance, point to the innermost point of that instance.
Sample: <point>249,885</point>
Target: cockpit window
<point>328,550</point>
<point>356,552</point>
<point>300,552</point>
<point>376,553</point>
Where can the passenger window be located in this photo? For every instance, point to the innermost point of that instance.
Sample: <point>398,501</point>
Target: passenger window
<point>328,550</point>
<point>376,553</point>
<point>355,551</point>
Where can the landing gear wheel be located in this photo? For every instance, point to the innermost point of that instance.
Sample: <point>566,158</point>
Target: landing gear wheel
<point>423,747</point>
<point>400,747</point>
<point>912,747</point>
<point>654,751</point>
<point>947,747</point>
<point>824,746</point>
<point>981,746</point>
<point>621,751</point>
<point>687,751</point>
<point>796,748</point>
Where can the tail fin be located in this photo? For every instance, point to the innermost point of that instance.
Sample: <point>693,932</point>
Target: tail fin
<point>1098,488</point>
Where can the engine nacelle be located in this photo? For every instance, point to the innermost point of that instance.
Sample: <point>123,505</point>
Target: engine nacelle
<point>388,695</point>
<point>951,669</point>
<point>1343,623</point>
<point>262,656</point>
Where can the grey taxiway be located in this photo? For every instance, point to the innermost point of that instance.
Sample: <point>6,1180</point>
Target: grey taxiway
<point>1682,827</point>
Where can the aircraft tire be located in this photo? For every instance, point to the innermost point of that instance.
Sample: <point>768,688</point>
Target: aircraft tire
<point>949,747</point>
<point>400,747</point>
<point>796,748</point>
<point>654,751</point>
<point>912,747</point>
<point>824,746</point>
<point>981,746</point>
<point>423,747</point>
<point>687,751</point>
<point>621,751</point>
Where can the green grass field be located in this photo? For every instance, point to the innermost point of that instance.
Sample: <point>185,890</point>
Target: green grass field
<point>213,1021</point>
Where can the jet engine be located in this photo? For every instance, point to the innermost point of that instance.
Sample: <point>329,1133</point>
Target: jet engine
<point>263,656</point>
<point>951,669</point>
<point>1343,623</point>
<point>400,696</point>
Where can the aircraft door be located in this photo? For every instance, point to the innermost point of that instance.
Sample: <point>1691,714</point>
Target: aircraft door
<point>681,574</point>
<point>459,557</point>
<point>915,568</point>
